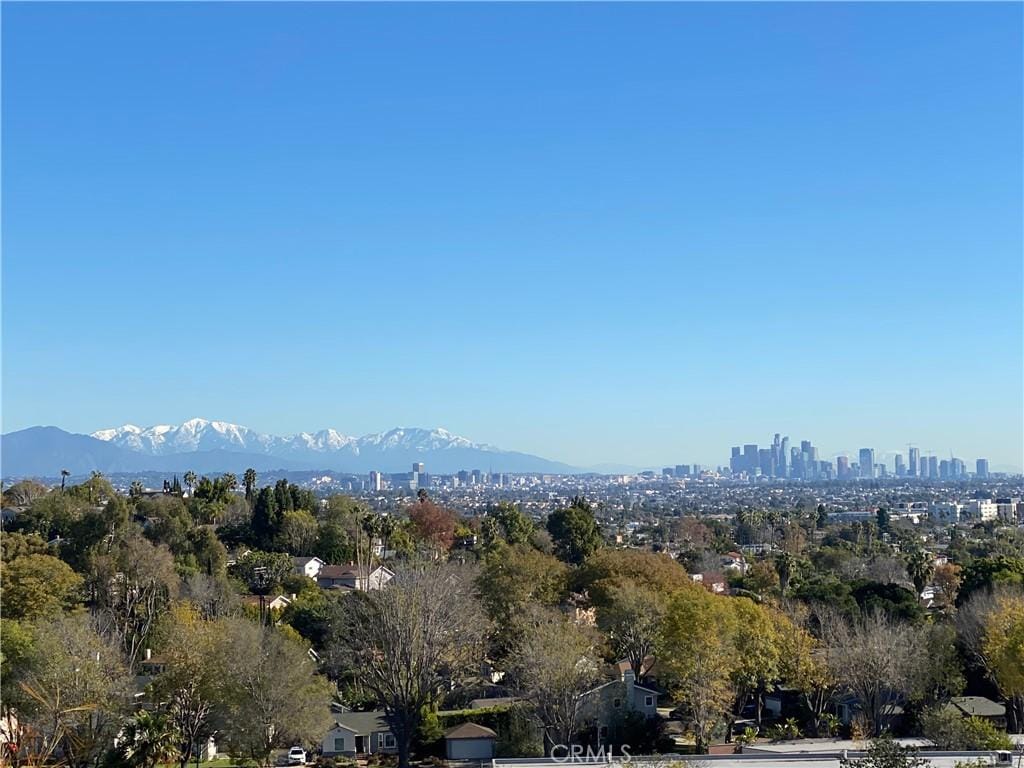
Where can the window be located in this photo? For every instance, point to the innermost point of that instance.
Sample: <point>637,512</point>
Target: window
<point>339,743</point>
<point>387,740</point>
<point>616,703</point>
<point>648,701</point>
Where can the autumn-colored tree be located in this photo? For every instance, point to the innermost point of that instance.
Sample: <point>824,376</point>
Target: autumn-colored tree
<point>1003,646</point>
<point>433,526</point>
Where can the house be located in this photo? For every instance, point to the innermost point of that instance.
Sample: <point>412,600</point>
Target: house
<point>469,741</point>
<point>979,706</point>
<point>354,577</point>
<point>358,733</point>
<point>308,566</point>
<point>278,603</point>
<point>602,708</point>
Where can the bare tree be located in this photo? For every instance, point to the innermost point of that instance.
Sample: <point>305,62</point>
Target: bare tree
<point>553,663</point>
<point>878,659</point>
<point>411,640</point>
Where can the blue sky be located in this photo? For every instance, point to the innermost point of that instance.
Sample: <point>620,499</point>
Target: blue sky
<point>633,233</point>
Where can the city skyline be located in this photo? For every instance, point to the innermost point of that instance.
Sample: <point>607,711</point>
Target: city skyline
<point>605,233</point>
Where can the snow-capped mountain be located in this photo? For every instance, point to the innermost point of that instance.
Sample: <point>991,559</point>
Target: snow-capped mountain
<point>205,435</point>
<point>216,446</point>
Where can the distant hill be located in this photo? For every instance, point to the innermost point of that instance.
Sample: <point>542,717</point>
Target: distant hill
<point>214,446</point>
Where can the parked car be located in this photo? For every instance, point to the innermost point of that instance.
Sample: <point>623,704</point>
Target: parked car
<point>296,756</point>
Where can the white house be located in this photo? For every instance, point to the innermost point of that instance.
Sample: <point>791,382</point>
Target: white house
<point>308,566</point>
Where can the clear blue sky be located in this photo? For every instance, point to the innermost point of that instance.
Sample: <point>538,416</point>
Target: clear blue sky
<point>634,233</point>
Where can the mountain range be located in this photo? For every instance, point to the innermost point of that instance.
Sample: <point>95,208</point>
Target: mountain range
<point>215,446</point>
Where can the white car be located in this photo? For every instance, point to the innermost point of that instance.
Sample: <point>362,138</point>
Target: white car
<point>296,756</point>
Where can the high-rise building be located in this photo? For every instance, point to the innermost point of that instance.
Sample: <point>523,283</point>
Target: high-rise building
<point>867,462</point>
<point>901,470</point>
<point>765,462</point>
<point>914,455</point>
<point>784,458</point>
<point>376,481</point>
<point>933,467</point>
<point>750,460</point>
<point>418,466</point>
<point>682,470</point>
<point>736,460</point>
<point>842,467</point>
<point>668,472</point>
<point>981,469</point>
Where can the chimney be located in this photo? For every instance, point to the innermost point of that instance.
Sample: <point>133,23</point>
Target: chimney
<point>629,679</point>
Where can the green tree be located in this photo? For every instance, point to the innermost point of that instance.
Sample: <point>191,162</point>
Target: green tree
<point>700,658</point>
<point>72,690</point>
<point>985,572</point>
<point>574,532</point>
<point>516,527</point>
<point>886,753</point>
<point>38,585</point>
<point>919,569</point>
<point>266,517</point>
<point>131,589</point>
<point>511,580</point>
<point>270,695</point>
<point>148,738</point>
<point>631,618</point>
<point>249,479</point>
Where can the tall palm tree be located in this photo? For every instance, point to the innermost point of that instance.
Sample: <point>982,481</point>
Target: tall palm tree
<point>64,475</point>
<point>249,478</point>
<point>190,481</point>
<point>149,739</point>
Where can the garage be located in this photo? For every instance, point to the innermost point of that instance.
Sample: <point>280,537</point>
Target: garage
<point>470,741</point>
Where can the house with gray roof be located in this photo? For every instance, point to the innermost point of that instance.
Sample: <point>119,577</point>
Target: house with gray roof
<point>359,733</point>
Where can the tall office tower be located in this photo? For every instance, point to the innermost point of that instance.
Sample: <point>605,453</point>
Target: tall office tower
<point>418,466</point>
<point>867,462</point>
<point>805,446</point>
<point>750,457</point>
<point>784,458</point>
<point>945,471</point>
<point>981,469</point>
<point>668,472</point>
<point>736,460</point>
<point>933,467</point>
<point>842,467</point>
<point>376,481</point>
<point>901,471</point>
<point>696,469</point>
<point>682,470</point>
<point>957,468</point>
<point>915,455</point>
<point>764,462</point>
<point>881,471</point>
<point>477,476</point>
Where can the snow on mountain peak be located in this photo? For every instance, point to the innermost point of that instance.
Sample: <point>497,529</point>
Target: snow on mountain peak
<point>203,435</point>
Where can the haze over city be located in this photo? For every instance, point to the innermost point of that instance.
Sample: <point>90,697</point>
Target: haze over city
<point>637,235</point>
